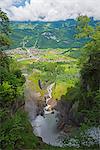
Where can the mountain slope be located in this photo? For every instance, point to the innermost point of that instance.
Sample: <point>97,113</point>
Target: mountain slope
<point>59,34</point>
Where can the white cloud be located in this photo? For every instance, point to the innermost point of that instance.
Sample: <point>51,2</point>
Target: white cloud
<point>50,10</point>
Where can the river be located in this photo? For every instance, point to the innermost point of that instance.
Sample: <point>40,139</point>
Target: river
<point>46,126</point>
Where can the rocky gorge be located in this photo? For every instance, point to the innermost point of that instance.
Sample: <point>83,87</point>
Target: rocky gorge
<point>52,120</point>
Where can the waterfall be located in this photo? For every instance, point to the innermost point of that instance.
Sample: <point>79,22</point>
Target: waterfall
<point>46,126</point>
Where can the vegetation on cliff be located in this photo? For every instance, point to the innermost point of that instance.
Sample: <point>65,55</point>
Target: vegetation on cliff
<point>15,129</point>
<point>75,81</point>
<point>90,71</point>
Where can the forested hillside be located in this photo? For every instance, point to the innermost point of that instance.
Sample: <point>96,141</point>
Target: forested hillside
<point>59,34</point>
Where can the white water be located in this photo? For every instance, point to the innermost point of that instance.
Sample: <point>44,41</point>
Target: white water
<point>46,126</point>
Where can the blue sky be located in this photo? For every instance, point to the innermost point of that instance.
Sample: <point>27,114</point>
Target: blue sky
<point>19,3</point>
<point>50,10</point>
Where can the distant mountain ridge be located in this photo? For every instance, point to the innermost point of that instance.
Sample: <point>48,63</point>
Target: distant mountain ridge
<point>38,34</point>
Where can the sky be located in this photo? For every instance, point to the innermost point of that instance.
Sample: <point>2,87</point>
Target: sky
<point>49,10</point>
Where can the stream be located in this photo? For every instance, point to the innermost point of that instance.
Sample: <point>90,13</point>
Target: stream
<point>46,126</point>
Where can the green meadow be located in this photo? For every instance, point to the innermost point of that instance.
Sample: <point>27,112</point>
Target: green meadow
<point>53,66</point>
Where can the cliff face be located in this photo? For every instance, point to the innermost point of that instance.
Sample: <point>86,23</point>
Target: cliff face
<point>68,115</point>
<point>34,102</point>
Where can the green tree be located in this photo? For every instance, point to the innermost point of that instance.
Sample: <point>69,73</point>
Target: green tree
<point>90,69</point>
<point>4,30</point>
<point>15,130</point>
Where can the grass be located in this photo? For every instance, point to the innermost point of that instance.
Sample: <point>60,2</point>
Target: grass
<point>25,63</point>
<point>34,77</point>
<point>17,56</point>
<point>59,90</point>
<point>64,79</point>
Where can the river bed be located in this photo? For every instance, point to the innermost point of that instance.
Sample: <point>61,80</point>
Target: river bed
<point>46,126</point>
